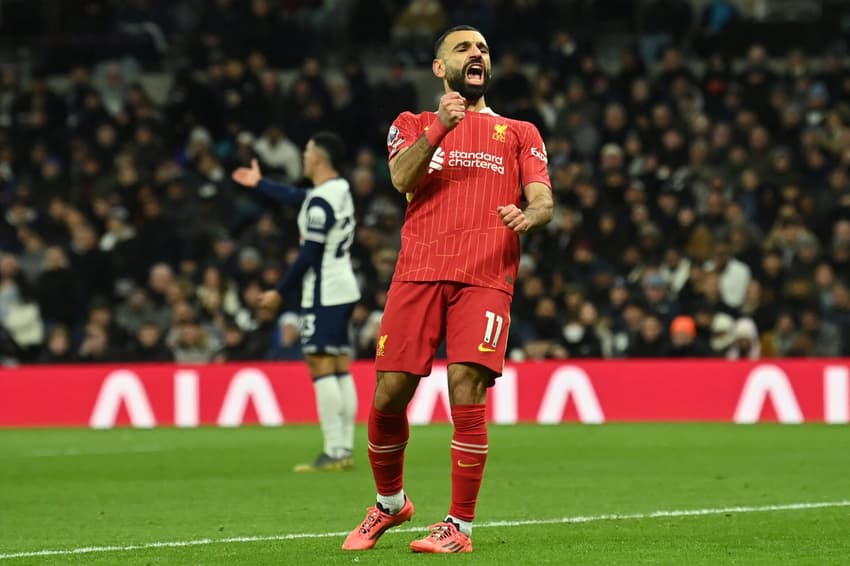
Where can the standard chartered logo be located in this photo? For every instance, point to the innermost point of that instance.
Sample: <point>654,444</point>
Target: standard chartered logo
<point>437,160</point>
<point>478,160</point>
<point>472,159</point>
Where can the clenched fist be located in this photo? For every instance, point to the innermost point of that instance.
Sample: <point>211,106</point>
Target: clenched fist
<point>514,218</point>
<point>452,109</point>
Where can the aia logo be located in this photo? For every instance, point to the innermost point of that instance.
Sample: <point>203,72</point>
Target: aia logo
<point>437,160</point>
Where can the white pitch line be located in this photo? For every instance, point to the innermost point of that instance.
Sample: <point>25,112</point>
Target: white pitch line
<point>90,452</point>
<point>483,525</point>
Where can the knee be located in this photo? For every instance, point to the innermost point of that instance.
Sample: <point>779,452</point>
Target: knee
<point>386,401</point>
<point>468,384</point>
<point>394,391</point>
<point>320,365</point>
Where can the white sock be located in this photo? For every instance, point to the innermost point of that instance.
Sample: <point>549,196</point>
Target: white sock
<point>329,407</point>
<point>464,526</point>
<point>392,503</point>
<point>348,394</point>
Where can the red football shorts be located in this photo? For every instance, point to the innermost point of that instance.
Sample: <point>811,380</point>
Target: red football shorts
<point>418,315</point>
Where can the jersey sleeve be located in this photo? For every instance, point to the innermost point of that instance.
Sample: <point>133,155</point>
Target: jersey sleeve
<point>309,257</point>
<point>404,132</point>
<point>533,161</point>
<point>282,192</point>
<point>320,219</point>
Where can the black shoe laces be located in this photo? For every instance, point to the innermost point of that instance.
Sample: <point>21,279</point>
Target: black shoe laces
<point>442,531</point>
<point>372,520</point>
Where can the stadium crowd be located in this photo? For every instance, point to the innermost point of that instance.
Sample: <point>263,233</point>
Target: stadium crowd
<point>702,207</point>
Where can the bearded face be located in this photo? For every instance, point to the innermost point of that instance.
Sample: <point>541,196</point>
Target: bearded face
<point>471,80</point>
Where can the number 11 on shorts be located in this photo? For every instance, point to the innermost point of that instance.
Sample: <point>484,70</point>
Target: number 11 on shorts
<point>491,338</point>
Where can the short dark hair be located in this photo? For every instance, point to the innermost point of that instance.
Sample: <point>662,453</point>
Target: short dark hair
<point>439,43</point>
<point>333,147</point>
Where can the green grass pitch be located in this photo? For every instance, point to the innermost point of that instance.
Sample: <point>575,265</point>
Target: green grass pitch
<point>569,494</point>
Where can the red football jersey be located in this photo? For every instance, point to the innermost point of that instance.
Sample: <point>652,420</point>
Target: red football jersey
<point>452,231</point>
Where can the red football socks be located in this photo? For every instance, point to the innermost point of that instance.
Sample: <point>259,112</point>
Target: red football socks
<point>388,435</point>
<point>469,454</point>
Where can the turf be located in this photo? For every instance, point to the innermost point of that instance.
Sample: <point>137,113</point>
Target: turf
<point>67,489</point>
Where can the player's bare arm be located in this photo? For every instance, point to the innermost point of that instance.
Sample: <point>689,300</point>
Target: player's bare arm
<point>407,167</point>
<point>538,211</point>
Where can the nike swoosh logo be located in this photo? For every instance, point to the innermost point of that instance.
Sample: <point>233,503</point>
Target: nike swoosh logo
<point>461,464</point>
<point>483,348</point>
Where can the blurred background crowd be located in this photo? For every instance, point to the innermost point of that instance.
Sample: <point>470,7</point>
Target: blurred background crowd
<point>699,155</point>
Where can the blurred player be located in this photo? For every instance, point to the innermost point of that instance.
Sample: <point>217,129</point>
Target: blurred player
<point>329,289</point>
<point>464,170</point>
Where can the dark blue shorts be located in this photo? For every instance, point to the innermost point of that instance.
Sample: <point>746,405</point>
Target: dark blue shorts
<point>324,330</point>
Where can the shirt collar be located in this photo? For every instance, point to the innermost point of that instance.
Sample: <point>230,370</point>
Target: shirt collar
<point>485,110</point>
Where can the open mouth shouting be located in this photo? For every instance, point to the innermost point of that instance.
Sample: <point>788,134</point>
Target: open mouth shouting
<point>474,73</point>
<point>471,80</point>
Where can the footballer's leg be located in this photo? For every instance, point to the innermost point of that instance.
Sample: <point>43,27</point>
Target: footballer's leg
<point>324,338</point>
<point>329,408</point>
<point>468,394</point>
<point>388,435</point>
<point>348,396</point>
<point>476,338</point>
<point>405,352</point>
<point>347,390</point>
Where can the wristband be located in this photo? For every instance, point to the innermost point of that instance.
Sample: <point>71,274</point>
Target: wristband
<point>436,132</point>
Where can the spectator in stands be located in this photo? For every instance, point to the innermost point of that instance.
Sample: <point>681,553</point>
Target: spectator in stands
<point>57,346</point>
<point>192,343</point>
<point>722,334</point>
<point>264,240</point>
<point>416,27</point>
<point>655,296</point>
<point>825,335</point>
<point>684,342</point>
<point>235,345</point>
<point>287,342</point>
<point>264,32</point>
<point>12,287</point>
<point>510,87</point>
<point>782,339</point>
<point>137,309</point>
<point>543,338</point>
<point>148,344</point>
<point>581,335</point>
<point>651,341</point>
<point>278,154</point>
<point>731,187</point>
<point>216,289</point>
<point>676,269</point>
<point>53,288</point>
<point>121,245</point>
<point>394,95</point>
<point>626,323</point>
<point>746,345</point>
<point>96,346</point>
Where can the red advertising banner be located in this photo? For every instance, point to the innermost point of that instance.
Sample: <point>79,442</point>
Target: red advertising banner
<point>143,395</point>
